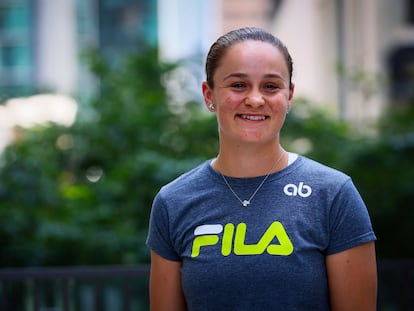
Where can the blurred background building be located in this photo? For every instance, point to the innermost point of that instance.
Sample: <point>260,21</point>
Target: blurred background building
<point>351,57</point>
<point>41,40</point>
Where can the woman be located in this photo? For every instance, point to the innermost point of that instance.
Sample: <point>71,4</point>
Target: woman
<point>258,228</point>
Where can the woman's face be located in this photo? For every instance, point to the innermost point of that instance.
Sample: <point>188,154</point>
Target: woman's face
<point>251,93</point>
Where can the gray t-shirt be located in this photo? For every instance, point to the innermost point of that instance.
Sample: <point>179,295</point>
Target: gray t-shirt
<point>269,255</point>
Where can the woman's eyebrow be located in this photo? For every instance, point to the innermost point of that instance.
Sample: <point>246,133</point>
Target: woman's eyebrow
<point>274,75</point>
<point>235,75</point>
<point>243,75</point>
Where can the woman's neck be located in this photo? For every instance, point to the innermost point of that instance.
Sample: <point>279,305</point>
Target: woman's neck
<point>250,162</point>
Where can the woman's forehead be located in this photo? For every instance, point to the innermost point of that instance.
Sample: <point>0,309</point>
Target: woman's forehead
<point>253,56</point>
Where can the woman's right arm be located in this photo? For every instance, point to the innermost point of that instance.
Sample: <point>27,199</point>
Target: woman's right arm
<point>165,285</point>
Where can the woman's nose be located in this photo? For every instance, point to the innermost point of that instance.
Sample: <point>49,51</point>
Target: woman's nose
<point>254,99</point>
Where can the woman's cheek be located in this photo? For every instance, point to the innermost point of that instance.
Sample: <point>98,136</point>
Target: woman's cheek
<point>231,102</point>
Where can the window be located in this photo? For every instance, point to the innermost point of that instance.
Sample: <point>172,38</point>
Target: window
<point>14,56</point>
<point>409,9</point>
<point>401,72</point>
<point>14,18</point>
<point>16,28</point>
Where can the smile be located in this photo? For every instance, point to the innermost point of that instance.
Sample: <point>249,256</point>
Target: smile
<point>252,118</point>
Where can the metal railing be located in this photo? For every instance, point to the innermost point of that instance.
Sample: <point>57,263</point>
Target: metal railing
<point>109,288</point>
<point>119,288</point>
<point>396,285</point>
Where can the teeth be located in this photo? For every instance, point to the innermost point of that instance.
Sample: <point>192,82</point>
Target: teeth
<point>253,118</point>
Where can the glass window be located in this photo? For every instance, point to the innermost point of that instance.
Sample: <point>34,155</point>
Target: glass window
<point>410,11</point>
<point>401,69</point>
<point>14,56</point>
<point>14,18</point>
<point>122,22</point>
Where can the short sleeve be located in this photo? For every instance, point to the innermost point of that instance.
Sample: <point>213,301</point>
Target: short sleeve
<point>349,221</point>
<point>159,237</point>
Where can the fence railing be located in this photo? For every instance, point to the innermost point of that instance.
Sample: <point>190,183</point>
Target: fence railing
<point>119,288</point>
<point>396,285</point>
<point>110,288</point>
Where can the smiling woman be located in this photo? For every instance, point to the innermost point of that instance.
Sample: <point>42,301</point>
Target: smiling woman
<point>252,93</point>
<point>257,227</point>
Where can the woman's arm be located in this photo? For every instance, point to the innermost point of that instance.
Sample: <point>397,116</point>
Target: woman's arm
<point>352,277</point>
<point>165,285</point>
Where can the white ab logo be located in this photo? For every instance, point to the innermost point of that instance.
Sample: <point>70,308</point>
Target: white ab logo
<point>301,190</point>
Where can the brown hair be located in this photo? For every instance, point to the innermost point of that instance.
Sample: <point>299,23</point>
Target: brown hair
<point>219,47</point>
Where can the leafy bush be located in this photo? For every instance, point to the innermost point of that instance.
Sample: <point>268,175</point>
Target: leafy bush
<point>82,195</point>
<point>384,173</point>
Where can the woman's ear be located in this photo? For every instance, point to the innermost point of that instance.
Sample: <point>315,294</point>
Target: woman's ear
<point>289,104</point>
<point>207,94</point>
<point>291,91</point>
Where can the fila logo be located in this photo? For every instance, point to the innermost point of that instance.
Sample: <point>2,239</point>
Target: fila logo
<point>301,190</point>
<point>233,240</point>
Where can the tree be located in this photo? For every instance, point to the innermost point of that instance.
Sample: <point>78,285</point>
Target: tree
<point>82,195</point>
<point>384,172</point>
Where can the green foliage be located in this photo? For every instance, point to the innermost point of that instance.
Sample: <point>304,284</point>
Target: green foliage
<point>82,195</point>
<point>382,167</point>
<point>312,132</point>
<point>384,173</point>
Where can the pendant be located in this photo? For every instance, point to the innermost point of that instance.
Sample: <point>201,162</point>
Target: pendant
<point>246,202</point>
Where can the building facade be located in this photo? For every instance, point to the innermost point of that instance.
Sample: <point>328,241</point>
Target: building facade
<point>16,48</point>
<point>41,40</point>
<point>351,57</point>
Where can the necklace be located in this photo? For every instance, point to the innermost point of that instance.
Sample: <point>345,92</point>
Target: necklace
<point>245,203</point>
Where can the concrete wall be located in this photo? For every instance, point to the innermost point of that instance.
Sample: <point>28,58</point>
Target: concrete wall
<point>55,41</point>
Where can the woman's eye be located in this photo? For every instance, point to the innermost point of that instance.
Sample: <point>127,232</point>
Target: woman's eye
<point>238,85</point>
<point>271,87</point>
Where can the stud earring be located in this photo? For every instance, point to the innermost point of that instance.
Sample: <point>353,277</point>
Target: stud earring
<point>212,107</point>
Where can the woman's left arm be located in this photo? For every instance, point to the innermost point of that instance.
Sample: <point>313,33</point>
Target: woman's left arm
<point>352,277</point>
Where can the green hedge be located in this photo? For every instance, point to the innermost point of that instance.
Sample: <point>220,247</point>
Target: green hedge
<point>82,195</point>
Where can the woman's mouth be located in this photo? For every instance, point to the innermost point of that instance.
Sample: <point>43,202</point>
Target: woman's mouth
<point>253,117</point>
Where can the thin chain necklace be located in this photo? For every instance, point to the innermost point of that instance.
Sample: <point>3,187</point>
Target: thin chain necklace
<point>245,203</point>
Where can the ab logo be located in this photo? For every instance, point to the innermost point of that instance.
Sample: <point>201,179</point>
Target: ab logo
<point>233,239</point>
<point>301,190</point>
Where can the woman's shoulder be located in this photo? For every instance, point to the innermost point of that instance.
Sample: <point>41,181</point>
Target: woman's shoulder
<point>314,168</point>
<point>189,179</point>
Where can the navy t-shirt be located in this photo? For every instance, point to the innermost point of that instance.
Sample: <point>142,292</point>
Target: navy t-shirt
<point>269,255</point>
